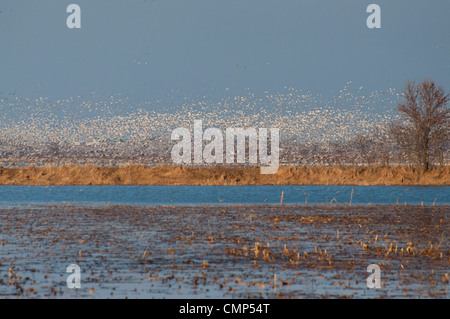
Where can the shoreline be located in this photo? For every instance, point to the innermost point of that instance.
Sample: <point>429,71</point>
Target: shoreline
<point>214,176</point>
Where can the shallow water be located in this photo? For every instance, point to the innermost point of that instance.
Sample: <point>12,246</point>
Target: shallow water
<point>265,251</point>
<point>219,195</point>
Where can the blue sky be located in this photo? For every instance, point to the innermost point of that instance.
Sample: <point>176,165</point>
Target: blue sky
<point>209,46</point>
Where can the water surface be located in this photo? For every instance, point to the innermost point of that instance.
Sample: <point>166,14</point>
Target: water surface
<point>217,195</point>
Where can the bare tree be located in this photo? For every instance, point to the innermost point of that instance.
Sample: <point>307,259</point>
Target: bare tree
<point>382,145</point>
<point>423,129</point>
<point>364,147</point>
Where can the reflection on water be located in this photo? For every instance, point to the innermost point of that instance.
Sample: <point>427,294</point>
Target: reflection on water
<point>217,195</point>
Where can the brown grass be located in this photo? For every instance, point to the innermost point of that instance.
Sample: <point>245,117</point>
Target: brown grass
<point>173,175</point>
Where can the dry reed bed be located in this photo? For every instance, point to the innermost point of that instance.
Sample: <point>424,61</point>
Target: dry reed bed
<point>173,175</point>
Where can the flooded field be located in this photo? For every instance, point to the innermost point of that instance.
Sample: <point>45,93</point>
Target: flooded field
<point>231,251</point>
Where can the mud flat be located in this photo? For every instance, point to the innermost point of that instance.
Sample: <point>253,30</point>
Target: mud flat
<point>258,251</point>
<point>173,175</point>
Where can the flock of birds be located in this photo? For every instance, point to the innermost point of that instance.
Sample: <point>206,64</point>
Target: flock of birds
<point>91,126</point>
